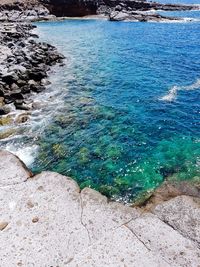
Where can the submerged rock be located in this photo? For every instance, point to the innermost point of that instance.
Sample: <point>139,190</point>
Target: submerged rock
<point>7,133</point>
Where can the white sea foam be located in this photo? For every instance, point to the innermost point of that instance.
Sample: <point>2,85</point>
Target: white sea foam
<point>172,93</point>
<point>26,154</point>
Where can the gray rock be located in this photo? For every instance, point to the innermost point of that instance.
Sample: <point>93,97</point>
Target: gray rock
<point>119,16</point>
<point>165,242</point>
<point>13,171</point>
<point>183,214</point>
<point>47,221</point>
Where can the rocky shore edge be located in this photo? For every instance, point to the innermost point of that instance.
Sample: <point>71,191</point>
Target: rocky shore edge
<point>24,62</point>
<point>115,10</point>
<point>24,66</point>
<point>46,220</point>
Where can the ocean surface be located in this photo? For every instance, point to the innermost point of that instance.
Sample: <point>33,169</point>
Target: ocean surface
<point>123,113</point>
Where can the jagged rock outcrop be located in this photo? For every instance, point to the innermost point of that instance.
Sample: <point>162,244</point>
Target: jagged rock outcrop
<point>92,7</point>
<point>72,8</point>
<point>24,64</point>
<point>17,11</point>
<point>139,16</point>
<point>45,220</point>
<point>115,9</point>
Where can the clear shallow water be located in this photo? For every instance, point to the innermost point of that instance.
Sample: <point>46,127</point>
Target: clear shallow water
<point>123,114</point>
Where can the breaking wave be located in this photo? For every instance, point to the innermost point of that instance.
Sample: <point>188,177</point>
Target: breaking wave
<point>172,93</point>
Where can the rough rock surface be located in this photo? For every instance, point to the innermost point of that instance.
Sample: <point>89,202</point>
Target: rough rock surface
<point>117,10</point>
<point>20,11</point>
<point>182,213</point>
<point>92,7</point>
<point>24,66</point>
<point>139,16</point>
<point>15,174</point>
<point>47,221</point>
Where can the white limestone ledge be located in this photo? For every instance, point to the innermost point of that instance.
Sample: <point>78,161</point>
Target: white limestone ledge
<point>46,221</point>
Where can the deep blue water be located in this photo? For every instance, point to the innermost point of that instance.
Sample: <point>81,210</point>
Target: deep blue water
<point>123,113</point>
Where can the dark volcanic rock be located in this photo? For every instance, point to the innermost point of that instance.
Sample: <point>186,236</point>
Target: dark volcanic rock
<point>19,11</point>
<point>37,75</point>
<point>92,7</point>
<point>72,8</point>
<point>23,64</point>
<point>41,9</point>
<point>9,78</point>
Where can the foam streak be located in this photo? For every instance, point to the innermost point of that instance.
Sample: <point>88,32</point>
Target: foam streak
<point>172,94</point>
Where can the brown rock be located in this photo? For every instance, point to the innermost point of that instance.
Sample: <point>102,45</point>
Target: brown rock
<point>35,219</point>
<point>169,190</point>
<point>30,204</point>
<point>3,225</point>
<point>2,103</point>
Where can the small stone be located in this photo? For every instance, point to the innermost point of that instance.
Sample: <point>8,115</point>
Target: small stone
<point>22,118</point>
<point>35,219</point>
<point>10,78</point>
<point>14,87</point>
<point>3,225</point>
<point>4,110</point>
<point>2,103</point>
<point>30,205</point>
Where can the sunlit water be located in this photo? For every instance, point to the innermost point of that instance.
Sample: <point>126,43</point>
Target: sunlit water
<point>123,114</point>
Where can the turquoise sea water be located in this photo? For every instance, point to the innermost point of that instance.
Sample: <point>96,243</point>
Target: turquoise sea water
<point>131,110</point>
<point>126,112</point>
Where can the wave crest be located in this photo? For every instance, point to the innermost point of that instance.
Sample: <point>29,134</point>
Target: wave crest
<point>172,93</point>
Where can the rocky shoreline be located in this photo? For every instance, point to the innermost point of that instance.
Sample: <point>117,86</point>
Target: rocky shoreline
<point>24,66</point>
<point>46,217</point>
<point>115,10</point>
<point>24,62</point>
<point>21,12</point>
<point>46,220</point>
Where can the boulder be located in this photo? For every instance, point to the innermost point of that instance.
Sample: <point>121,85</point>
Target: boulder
<point>10,78</point>
<point>13,171</point>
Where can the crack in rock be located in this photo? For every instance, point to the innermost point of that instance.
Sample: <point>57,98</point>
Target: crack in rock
<point>179,231</point>
<point>84,225</point>
<point>141,241</point>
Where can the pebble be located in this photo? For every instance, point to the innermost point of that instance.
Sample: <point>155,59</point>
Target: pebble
<point>3,225</point>
<point>35,219</point>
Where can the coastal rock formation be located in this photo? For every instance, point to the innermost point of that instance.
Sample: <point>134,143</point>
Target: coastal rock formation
<point>17,11</point>
<point>46,220</point>
<point>139,16</point>
<point>23,65</point>
<point>93,7</point>
<point>115,10</point>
